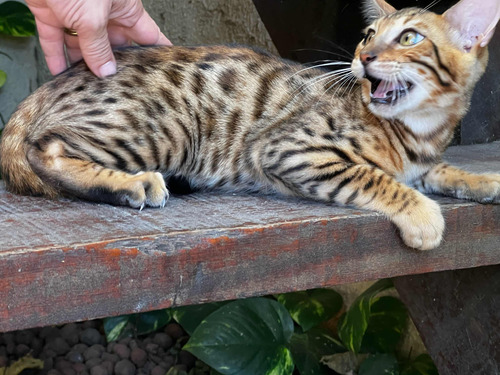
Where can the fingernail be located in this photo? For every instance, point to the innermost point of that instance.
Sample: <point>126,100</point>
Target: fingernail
<point>107,69</point>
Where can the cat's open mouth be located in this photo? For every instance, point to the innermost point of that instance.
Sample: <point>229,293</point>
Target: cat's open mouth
<point>386,92</point>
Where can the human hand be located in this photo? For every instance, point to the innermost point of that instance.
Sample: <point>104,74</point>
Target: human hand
<point>99,24</point>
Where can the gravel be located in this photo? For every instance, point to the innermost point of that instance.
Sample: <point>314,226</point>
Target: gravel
<point>81,349</point>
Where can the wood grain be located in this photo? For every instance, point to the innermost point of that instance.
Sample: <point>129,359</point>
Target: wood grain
<point>65,260</point>
<point>457,315</point>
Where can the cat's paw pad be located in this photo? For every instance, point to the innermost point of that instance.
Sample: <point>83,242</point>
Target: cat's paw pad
<point>421,227</point>
<point>146,189</point>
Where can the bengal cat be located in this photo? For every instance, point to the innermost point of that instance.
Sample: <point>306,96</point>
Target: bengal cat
<point>239,119</point>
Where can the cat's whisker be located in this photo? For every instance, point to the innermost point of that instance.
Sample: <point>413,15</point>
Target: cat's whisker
<point>336,46</point>
<point>331,63</point>
<point>434,2</point>
<point>323,77</point>
<point>349,56</point>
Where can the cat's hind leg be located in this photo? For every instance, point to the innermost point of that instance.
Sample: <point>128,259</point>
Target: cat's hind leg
<point>447,180</point>
<point>92,181</point>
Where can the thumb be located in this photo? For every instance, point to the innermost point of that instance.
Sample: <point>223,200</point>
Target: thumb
<point>96,50</point>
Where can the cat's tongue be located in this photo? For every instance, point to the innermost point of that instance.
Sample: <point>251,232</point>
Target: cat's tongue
<point>383,89</point>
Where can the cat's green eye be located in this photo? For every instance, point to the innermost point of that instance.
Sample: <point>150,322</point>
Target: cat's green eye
<point>410,38</point>
<point>368,36</point>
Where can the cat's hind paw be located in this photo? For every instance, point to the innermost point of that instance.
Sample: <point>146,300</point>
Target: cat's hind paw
<point>145,189</point>
<point>421,227</point>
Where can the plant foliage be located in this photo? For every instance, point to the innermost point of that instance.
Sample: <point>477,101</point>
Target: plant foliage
<point>16,19</point>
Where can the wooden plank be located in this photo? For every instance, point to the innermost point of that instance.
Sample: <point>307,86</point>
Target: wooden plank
<point>457,314</point>
<point>66,260</point>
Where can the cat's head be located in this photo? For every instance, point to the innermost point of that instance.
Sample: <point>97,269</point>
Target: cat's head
<point>414,64</point>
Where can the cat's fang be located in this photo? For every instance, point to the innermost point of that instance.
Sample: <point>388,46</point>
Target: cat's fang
<point>384,92</point>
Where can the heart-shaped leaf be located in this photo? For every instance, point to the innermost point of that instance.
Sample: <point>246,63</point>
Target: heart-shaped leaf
<point>245,337</point>
<point>311,307</point>
<point>16,19</point>
<point>354,323</point>
<point>308,349</point>
<point>388,318</point>
<point>139,324</point>
<point>190,317</point>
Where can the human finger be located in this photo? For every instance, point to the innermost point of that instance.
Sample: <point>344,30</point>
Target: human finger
<point>52,43</point>
<point>96,49</point>
<point>146,32</point>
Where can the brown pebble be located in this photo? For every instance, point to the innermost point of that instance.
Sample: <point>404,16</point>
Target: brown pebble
<point>58,345</point>
<point>10,348</point>
<point>122,351</point>
<point>68,371</point>
<point>62,364</point>
<point>70,333</point>
<point>99,370</point>
<point>174,330</point>
<point>163,340</point>
<point>124,367</point>
<point>93,362</point>
<point>91,353</point>
<point>158,370</point>
<point>152,348</point>
<point>3,361</point>
<point>53,372</point>
<point>80,348</point>
<point>91,336</point>
<point>22,350</point>
<point>110,357</point>
<point>79,368</point>
<point>108,365</point>
<point>110,346</point>
<point>74,357</point>
<point>125,341</point>
<point>138,357</point>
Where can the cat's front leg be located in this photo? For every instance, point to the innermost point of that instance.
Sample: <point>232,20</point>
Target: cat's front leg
<point>447,180</point>
<point>418,218</point>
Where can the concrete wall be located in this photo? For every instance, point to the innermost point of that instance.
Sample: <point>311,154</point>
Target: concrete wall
<point>186,22</point>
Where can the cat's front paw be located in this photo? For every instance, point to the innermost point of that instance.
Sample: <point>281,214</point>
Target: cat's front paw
<point>146,189</point>
<point>488,189</point>
<point>422,226</point>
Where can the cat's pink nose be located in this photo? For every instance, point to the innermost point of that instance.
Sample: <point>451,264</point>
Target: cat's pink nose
<point>367,58</point>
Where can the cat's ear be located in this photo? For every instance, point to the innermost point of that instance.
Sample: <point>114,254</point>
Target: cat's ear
<point>374,9</point>
<point>475,20</point>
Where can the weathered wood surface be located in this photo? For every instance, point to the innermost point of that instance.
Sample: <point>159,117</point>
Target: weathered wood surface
<point>65,260</point>
<point>457,314</point>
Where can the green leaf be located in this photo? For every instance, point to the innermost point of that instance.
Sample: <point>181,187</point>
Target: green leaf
<point>388,318</point>
<point>16,19</point>
<point>353,325</point>
<point>190,317</point>
<point>245,337</point>
<point>311,307</point>
<point>3,78</point>
<point>308,349</point>
<point>113,327</point>
<point>151,321</point>
<point>422,365</point>
<point>379,364</point>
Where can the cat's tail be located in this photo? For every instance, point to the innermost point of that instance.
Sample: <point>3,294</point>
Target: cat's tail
<point>15,168</point>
